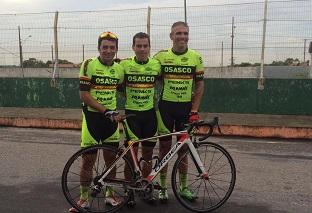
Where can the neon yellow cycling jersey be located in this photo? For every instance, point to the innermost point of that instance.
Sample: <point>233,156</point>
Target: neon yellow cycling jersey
<point>140,83</point>
<point>101,80</point>
<point>179,73</point>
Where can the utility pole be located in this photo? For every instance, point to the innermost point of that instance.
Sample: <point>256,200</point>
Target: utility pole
<point>232,43</point>
<point>310,51</point>
<point>185,17</point>
<point>20,48</point>
<point>52,54</point>
<point>83,53</point>
<point>261,77</point>
<point>304,50</point>
<point>222,54</point>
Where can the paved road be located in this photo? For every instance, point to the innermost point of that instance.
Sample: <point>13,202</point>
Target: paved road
<point>273,176</point>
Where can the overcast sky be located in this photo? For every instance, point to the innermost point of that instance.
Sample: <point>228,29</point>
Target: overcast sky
<point>30,6</point>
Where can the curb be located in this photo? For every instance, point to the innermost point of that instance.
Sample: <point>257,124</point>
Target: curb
<point>41,123</point>
<point>267,131</point>
<point>227,130</point>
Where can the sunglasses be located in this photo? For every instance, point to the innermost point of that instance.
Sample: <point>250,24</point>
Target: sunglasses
<point>108,35</point>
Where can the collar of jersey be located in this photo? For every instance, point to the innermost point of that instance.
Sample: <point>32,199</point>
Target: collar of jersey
<point>140,62</point>
<point>105,63</point>
<point>179,53</point>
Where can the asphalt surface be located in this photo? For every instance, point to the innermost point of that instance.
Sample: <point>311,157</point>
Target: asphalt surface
<point>273,176</point>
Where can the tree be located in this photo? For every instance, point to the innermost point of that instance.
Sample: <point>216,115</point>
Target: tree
<point>64,61</point>
<point>34,63</point>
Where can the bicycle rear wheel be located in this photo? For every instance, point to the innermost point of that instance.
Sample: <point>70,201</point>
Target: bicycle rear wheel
<point>83,170</point>
<point>209,194</point>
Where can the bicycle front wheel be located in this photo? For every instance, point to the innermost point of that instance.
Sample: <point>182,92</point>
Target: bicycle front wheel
<point>200,194</point>
<point>82,172</point>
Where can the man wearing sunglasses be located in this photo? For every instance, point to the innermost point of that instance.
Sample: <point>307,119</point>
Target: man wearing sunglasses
<point>141,73</point>
<point>99,78</point>
<point>182,70</point>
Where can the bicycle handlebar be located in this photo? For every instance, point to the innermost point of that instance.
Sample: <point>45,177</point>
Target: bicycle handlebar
<point>211,124</point>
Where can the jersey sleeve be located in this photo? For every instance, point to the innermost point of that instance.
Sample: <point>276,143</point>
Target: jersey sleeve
<point>158,67</point>
<point>199,75</point>
<point>84,76</point>
<point>121,75</point>
<point>158,55</point>
<point>123,62</point>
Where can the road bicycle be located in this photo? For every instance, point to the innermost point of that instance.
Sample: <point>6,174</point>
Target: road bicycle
<point>211,172</point>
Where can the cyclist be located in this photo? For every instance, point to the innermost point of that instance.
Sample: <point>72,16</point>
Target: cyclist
<point>141,72</point>
<point>99,78</point>
<point>182,68</point>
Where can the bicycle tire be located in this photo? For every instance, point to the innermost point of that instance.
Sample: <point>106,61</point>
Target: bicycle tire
<point>212,193</point>
<point>71,178</point>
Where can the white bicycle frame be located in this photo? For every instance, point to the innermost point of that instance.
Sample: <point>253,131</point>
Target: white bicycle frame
<point>184,139</point>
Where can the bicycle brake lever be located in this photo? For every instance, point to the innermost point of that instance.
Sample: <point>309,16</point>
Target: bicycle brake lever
<point>219,129</point>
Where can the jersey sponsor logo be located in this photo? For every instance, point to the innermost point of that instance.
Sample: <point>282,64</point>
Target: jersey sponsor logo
<point>200,60</point>
<point>104,92</point>
<point>178,82</point>
<point>104,99</point>
<point>104,80</point>
<point>140,91</point>
<point>184,59</point>
<point>138,97</point>
<point>168,61</point>
<point>140,79</point>
<point>148,69</point>
<point>177,88</point>
<point>178,69</point>
<point>112,71</point>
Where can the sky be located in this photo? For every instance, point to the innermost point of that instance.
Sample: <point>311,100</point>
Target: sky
<point>33,6</point>
<point>80,21</point>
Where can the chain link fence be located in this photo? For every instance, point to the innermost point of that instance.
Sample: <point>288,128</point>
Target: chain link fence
<point>227,34</point>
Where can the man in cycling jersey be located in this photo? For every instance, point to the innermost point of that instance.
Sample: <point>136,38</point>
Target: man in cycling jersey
<point>141,72</point>
<point>99,78</point>
<point>182,68</point>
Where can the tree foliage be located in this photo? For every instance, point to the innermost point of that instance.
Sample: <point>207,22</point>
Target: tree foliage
<point>287,62</point>
<point>35,63</point>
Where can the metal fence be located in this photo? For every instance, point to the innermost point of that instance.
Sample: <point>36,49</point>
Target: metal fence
<point>224,34</point>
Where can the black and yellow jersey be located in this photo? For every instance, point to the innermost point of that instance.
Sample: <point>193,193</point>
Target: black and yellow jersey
<point>101,80</point>
<point>140,83</point>
<point>179,73</point>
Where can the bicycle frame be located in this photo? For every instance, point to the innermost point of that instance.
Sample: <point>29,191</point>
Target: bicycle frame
<point>184,139</point>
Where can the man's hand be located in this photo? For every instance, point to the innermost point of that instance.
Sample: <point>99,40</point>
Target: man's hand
<point>193,117</point>
<point>113,116</point>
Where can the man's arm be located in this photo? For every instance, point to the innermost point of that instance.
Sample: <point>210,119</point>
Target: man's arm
<point>87,99</point>
<point>198,94</point>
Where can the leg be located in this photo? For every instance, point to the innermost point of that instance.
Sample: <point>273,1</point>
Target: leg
<point>181,118</point>
<point>165,123</point>
<point>88,161</point>
<point>147,154</point>
<point>148,124</point>
<point>133,131</point>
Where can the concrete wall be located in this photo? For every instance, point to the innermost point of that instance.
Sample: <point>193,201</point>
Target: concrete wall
<point>280,72</point>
